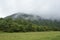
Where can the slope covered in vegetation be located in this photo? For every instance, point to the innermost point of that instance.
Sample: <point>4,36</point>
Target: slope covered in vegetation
<point>21,25</point>
<point>27,23</point>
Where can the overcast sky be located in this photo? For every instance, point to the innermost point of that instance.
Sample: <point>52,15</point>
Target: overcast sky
<point>44,8</point>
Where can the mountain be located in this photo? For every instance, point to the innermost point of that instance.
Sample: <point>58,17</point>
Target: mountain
<point>24,16</point>
<point>35,19</point>
<point>31,17</point>
<point>22,22</point>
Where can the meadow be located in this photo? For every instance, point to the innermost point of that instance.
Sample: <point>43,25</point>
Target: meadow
<point>30,36</point>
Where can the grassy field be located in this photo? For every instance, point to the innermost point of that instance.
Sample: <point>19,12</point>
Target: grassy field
<point>30,36</point>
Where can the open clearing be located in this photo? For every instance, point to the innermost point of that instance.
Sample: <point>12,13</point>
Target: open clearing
<point>30,36</point>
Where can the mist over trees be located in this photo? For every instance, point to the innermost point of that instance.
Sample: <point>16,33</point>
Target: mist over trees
<point>21,25</point>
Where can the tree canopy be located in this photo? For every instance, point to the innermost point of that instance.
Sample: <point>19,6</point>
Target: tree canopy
<point>21,25</point>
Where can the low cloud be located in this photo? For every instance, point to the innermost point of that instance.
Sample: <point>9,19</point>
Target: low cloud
<point>44,8</point>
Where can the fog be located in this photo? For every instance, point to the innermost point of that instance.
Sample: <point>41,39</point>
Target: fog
<point>44,8</point>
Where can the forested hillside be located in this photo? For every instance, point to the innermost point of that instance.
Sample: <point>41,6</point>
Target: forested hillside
<point>9,24</point>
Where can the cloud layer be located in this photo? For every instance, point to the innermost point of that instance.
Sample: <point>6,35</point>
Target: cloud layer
<point>44,8</point>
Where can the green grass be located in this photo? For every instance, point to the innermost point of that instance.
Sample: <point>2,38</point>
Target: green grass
<point>30,36</point>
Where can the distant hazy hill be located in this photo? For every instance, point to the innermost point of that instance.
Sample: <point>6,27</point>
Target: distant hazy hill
<point>34,18</point>
<point>22,22</point>
<point>24,16</point>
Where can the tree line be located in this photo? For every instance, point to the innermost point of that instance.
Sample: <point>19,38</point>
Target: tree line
<point>21,25</point>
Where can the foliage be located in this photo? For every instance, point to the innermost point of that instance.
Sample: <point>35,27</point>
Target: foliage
<point>21,25</point>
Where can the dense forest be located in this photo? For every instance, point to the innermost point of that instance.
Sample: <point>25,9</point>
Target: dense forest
<point>21,25</point>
